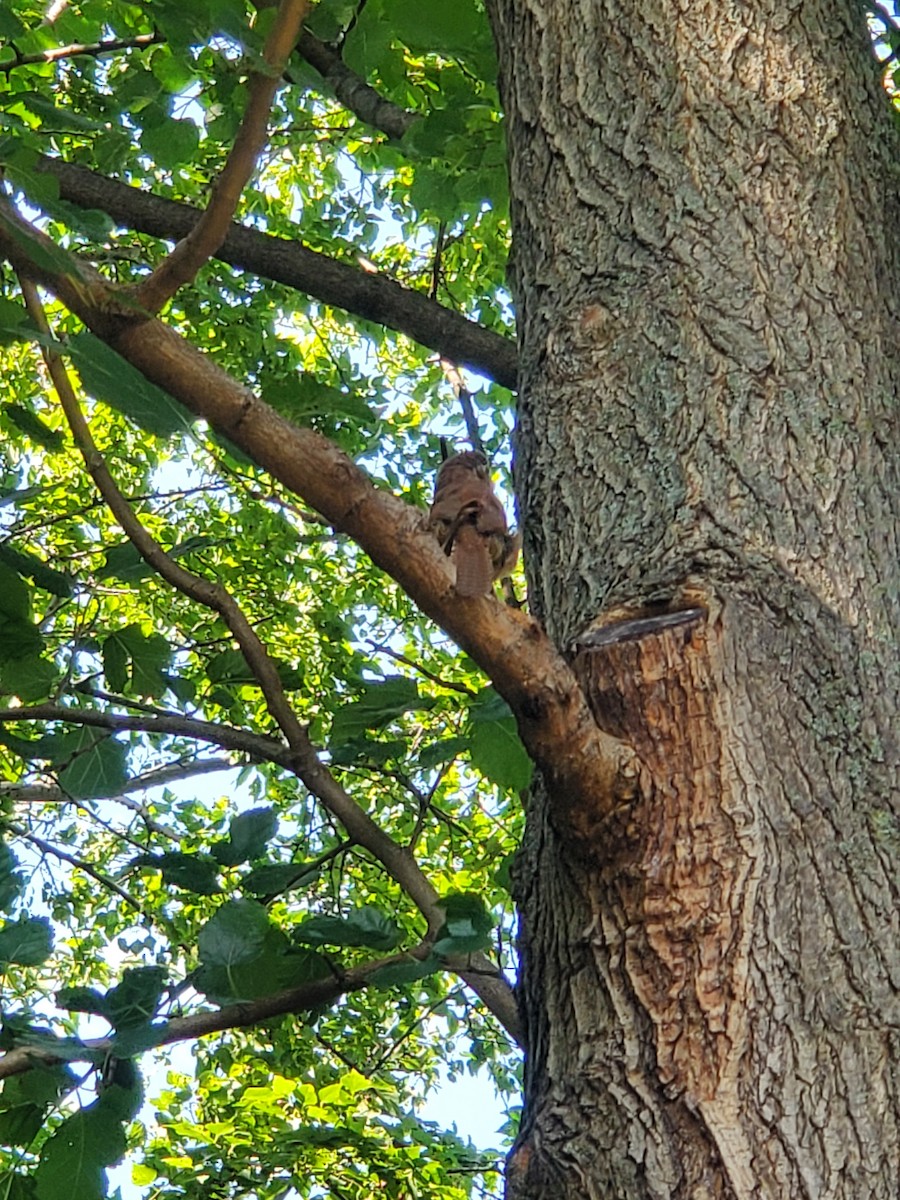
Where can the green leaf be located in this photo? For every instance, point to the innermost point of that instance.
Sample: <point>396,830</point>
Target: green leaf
<point>235,934</point>
<point>361,927</point>
<point>31,424</point>
<point>19,1126</point>
<point>135,1000</point>
<point>82,999</point>
<point>123,562</point>
<point>97,767</point>
<point>11,879</point>
<point>441,752</point>
<point>29,678</point>
<point>115,663</point>
<point>148,654</point>
<point>271,879</point>
<point>380,703</point>
<point>229,667</point>
<point>27,942</point>
<point>28,564</point>
<point>467,926</point>
<point>15,595</point>
<point>171,143</point>
<point>249,834</point>
<point>495,748</point>
<point>73,1158</point>
<point>408,971</point>
<point>15,322</point>
<point>41,1085</point>
<point>19,638</point>
<point>54,116</point>
<point>112,379</point>
<point>277,967</point>
<point>19,1187</point>
<point>197,873</point>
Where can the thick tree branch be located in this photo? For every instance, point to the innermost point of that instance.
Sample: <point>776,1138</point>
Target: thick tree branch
<point>353,92</point>
<point>369,296</point>
<point>208,234</point>
<point>304,760</point>
<point>581,763</point>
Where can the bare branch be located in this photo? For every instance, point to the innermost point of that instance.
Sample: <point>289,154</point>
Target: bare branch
<point>256,745</point>
<point>453,375</point>
<point>79,863</point>
<point>449,684</point>
<point>208,234</point>
<point>210,595</point>
<point>82,50</point>
<point>370,296</point>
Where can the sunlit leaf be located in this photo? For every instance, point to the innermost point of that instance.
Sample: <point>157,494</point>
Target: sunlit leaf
<point>27,942</point>
<point>360,927</point>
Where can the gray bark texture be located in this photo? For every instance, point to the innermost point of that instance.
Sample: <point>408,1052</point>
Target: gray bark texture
<point>706,276</point>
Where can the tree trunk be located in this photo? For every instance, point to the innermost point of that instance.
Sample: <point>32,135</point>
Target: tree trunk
<point>706,277</point>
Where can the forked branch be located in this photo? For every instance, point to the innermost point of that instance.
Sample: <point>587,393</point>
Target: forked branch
<point>302,757</point>
<point>554,720</point>
<point>207,236</point>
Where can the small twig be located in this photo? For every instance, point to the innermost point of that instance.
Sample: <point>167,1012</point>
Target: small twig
<point>398,1041</point>
<point>453,375</point>
<point>182,265</point>
<point>410,662</point>
<point>258,746</point>
<point>436,263</point>
<point>79,863</point>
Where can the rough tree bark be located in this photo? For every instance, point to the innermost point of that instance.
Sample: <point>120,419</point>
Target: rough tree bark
<point>706,278</point>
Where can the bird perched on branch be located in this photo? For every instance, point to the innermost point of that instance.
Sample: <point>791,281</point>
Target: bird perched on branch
<point>469,522</point>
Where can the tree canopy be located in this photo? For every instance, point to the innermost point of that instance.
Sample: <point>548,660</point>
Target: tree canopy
<point>254,800</point>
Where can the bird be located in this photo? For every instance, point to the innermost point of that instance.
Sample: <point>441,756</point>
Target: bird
<point>469,522</point>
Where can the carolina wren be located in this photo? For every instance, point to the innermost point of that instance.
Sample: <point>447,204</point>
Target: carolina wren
<point>469,522</point>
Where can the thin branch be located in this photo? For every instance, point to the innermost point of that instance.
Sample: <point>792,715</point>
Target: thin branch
<point>353,92</point>
<point>182,265</point>
<point>45,793</point>
<point>398,1041</point>
<point>453,375</point>
<point>52,793</point>
<point>79,863</point>
<point>81,49</point>
<point>233,1016</point>
<point>211,595</point>
<point>449,684</point>
<point>372,297</point>
<point>258,746</point>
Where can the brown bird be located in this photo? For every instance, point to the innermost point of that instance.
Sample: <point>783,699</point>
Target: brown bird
<point>469,522</point>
